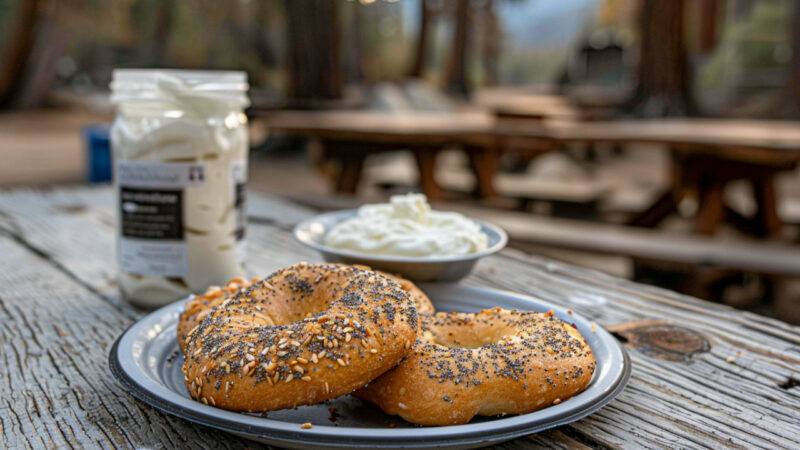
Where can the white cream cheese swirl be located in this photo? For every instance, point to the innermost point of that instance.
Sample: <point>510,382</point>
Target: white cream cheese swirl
<point>407,227</point>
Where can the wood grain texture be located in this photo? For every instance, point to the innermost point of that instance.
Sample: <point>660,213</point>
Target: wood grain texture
<point>56,387</point>
<point>60,311</point>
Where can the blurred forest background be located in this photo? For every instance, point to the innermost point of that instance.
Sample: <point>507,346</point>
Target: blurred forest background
<point>738,53</point>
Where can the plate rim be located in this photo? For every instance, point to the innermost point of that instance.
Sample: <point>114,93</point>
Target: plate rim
<point>330,436</point>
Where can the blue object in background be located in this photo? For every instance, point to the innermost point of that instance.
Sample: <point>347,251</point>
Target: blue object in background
<point>98,153</point>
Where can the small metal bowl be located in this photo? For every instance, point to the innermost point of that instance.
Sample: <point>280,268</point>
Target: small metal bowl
<point>311,232</point>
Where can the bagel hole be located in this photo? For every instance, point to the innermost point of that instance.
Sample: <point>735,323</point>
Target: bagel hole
<point>288,308</point>
<point>471,338</point>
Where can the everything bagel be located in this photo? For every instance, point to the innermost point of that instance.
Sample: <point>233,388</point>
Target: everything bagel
<point>493,362</point>
<point>198,307</point>
<point>305,334</point>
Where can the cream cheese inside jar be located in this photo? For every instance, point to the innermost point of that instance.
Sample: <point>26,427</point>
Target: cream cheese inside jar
<point>407,227</point>
<point>179,143</point>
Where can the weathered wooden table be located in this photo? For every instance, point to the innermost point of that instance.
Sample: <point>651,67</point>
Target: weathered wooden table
<point>704,375</point>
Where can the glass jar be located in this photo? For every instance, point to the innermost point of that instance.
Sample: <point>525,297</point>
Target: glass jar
<point>179,143</point>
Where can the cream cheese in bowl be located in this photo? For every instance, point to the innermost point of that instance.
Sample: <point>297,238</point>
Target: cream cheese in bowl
<point>403,237</point>
<point>407,227</point>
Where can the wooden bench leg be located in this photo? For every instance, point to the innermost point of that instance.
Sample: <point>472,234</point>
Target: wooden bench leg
<point>768,219</point>
<point>426,164</point>
<point>710,208</point>
<point>657,212</point>
<point>484,162</point>
<point>350,173</point>
<point>667,203</point>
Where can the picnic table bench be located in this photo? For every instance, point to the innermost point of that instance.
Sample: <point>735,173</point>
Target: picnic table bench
<point>704,375</point>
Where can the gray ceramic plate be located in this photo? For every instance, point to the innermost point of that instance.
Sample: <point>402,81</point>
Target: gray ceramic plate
<point>147,362</point>
<point>311,233</point>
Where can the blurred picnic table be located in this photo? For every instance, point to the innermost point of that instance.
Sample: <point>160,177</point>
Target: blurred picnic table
<point>704,374</point>
<point>351,136</point>
<point>707,154</point>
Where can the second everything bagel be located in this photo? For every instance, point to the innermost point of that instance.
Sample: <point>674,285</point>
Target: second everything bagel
<point>494,362</point>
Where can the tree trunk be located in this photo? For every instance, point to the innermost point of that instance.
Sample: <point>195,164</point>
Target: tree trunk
<point>163,26</point>
<point>456,75</point>
<point>793,77</point>
<point>708,15</point>
<point>18,48</point>
<point>663,88</point>
<point>315,70</point>
<point>491,43</point>
<point>419,64</point>
<point>355,71</point>
<point>257,37</point>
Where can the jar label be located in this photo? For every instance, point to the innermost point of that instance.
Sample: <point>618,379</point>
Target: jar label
<point>151,202</point>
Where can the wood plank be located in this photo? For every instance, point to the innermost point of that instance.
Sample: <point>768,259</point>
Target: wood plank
<point>756,141</point>
<point>708,400</point>
<point>765,142</point>
<point>401,129</point>
<point>56,387</point>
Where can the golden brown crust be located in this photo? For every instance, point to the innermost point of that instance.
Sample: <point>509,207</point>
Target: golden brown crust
<point>200,305</point>
<point>494,362</point>
<point>305,334</point>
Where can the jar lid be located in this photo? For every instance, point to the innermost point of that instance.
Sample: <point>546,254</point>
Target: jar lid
<point>165,84</point>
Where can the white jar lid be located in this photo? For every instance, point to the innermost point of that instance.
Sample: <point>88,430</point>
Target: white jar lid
<point>159,84</point>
